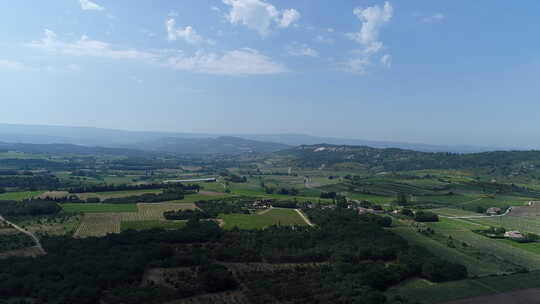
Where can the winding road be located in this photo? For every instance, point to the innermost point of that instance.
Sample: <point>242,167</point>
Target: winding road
<point>30,234</point>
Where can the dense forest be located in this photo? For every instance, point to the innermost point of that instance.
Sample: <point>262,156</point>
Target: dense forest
<point>348,259</point>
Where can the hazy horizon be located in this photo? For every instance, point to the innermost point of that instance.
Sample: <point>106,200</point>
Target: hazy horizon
<point>430,72</point>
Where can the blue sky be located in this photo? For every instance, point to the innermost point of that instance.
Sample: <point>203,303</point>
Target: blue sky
<point>440,72</point>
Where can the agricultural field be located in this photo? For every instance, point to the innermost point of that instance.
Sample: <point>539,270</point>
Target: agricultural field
<point>475,266</point>
<point>19,196</point>
<point>99,208</point>
<point>150,224</point>
<point>286,217</point>
<point>98,224</point>
<point>154,212</point>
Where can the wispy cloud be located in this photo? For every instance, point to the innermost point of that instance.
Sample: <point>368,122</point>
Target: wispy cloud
<point>438,17</point>
<point>386,60</point>
<point>323,39</point>
<point>260,15</point>
<point>13,65</point>
<point>241,62</point>
<point>297,49</point>
<point>89,5</point>
<point>88,47</point>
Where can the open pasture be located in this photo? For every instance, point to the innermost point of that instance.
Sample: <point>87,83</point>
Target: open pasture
<point>19,196</point>
<point>510,222</point>
<point>98,224</point>
<point>285,217</point>
<point>475,266</point>
<point>482,247</point>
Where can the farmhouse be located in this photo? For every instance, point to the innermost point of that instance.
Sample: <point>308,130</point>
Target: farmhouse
<point>513,235</point>
<point>494,211</point>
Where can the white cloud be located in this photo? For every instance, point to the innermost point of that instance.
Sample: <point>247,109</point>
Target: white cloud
<point>215,9</point>
<point>87,47</point>
<point>433,18</point>
<point>302,50</point>
<point>188,34</point>
<point>386,61</point>
<point>235,63</point>
<point>13,65</point>
<point>373,18</point>
<point>289,17</point>
<point>259,15</point>
<point>89,5</point>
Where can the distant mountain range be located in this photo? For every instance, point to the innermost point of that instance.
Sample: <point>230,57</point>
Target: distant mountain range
<point>501,163</point>
<point>196,143</point>
<point>219,145</point>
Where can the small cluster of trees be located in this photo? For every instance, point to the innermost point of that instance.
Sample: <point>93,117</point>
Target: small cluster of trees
<point>426,216</point>
<point>167,195</point>
<point>186,215</point>
<point>282,191</point>
<point>224,206</point>
<point>126,187</point>
<point>31,207</point>
<point>285,204</point>
<point>329,195</point>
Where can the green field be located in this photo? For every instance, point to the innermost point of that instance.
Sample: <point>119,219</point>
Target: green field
<point>531,247</point>
<point>430,293</point>
<point>285,217</point>
<point>99,208</point>
<point>146,225</point>
<point>524,224</point>
<point>19,196</point>
<point>474,265</point>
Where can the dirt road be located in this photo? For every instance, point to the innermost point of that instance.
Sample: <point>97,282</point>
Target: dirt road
<point>30,234</point>
<point>304,217</point>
